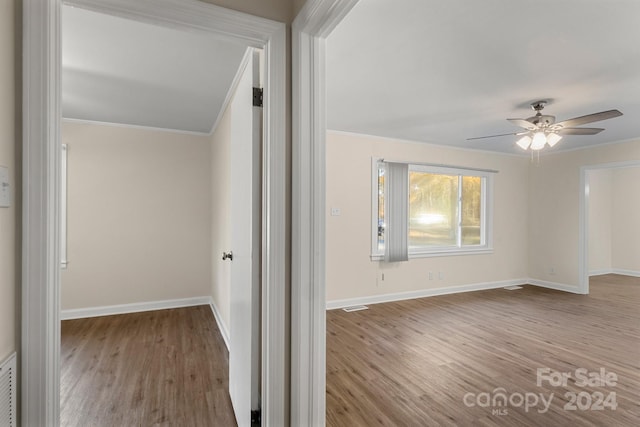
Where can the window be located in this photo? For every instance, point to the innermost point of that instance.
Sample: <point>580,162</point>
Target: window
<point>448,210</point>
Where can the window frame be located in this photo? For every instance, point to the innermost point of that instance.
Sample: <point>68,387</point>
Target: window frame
<point>486,234</point>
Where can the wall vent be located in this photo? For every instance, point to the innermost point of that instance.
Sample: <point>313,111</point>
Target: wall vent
<point>8,392</point>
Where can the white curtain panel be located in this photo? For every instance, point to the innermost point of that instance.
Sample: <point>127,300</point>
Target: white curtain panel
<point>396,209</point>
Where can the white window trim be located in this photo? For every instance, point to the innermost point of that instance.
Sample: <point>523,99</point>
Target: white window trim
<point>487,211</point>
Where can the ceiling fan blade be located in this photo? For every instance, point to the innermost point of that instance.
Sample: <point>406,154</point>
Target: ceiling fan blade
<point>589,118</point>
<point>495,136</point>
<point>579,131</point>
<point>523,124</point>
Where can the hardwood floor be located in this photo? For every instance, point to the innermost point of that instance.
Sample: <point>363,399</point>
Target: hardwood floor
<point>166,367</point>
<point>413,363</point>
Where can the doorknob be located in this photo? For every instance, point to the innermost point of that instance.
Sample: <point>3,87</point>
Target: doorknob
<point>227,255</point>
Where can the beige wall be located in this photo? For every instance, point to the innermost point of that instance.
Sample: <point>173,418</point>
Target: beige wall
<point>350,271</point>
<point>600,204</point>
<point>221,217</point>
<point>8,216</point>
<point>536,214</point>
<point>625,233</point>
<point>139,216</point>
<point>555,209</point>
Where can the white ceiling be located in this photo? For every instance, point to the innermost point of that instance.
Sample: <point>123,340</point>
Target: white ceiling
<point>444,71</point>
<point>116,70</point>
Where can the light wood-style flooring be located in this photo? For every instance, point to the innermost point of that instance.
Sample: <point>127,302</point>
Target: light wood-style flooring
<point>411,363</point>
<point>157,368</point>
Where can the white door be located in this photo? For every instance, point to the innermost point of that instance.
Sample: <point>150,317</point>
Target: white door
<point>244,353</point>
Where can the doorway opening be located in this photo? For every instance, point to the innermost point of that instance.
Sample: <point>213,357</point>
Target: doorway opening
<point>41,260</point>
<point>143,128</point>
<point>599,179</point>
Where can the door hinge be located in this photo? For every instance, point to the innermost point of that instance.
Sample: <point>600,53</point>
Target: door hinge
<point>257,96</point>
<point>256,417</point>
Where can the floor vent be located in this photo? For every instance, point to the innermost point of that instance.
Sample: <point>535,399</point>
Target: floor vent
<point>355,308</point>
<point>8,392</point>
<point>513,288</point>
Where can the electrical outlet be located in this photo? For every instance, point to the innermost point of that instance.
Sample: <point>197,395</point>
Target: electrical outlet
<point>552,271</point>
<point>440,275</point>
<point>431,275</point>
<point>335,212</point>
<point>379,278</point>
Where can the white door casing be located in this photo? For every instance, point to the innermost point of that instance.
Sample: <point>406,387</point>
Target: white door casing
<point>244,352</point>
<point>313,24</point>
<point>40,337</point>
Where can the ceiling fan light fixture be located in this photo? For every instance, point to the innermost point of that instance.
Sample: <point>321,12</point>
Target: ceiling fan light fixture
<point>541,130</point>
<point>553,138</point>
<point>538,141</point>
<point>524,142</point>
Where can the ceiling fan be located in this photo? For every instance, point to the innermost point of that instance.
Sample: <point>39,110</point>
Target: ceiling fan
<point>543,130</point>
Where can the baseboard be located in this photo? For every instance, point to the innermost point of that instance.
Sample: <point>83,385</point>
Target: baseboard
<point>223,328</point>
<point>109,310</point>
<point>624,272</point>
<point>621,271</point>
<point>557,286</point>
<point>600,272</point>
<point>377,299</point>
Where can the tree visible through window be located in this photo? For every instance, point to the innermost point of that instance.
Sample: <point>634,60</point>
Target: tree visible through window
<point>471,210</point>
<point>433,209</point>
<point>380,222</point>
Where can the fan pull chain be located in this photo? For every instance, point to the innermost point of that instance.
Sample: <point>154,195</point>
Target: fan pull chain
<point>535,159</point>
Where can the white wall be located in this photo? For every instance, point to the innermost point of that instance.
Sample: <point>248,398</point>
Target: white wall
<point>9,245</point>
<point>554,209</point>
<point>350,271</point>
<point>139,216</point>
<point>600,222</point>
<point>625,235</point>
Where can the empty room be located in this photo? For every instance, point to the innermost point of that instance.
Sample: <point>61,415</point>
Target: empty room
<point>160,215</point>
<point>482,244</point>
<point>319,212</point>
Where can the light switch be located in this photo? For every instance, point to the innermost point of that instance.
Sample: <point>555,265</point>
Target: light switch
<point>335,211</point>
<point>5,197</point>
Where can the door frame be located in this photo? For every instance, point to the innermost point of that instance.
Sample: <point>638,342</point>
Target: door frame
<point>41,80</point>
<point>583,245</point>
<point>310,28</point>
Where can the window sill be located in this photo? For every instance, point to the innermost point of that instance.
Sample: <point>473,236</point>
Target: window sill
<point>440,253</point>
